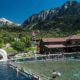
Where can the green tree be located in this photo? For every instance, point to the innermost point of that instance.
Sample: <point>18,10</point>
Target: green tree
<point>1,43</point>
<point>26,39</point>
<point>18,45</point>
<point>8,37</point>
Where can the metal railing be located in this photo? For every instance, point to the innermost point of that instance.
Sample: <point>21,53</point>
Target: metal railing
<point>49,57</point>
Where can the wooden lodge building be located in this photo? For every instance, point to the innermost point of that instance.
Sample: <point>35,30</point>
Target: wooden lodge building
<point>60,45</point>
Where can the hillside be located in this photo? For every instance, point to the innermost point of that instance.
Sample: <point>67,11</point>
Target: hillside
<point>61,21</point>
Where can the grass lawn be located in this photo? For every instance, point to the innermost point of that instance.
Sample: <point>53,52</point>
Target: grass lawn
<point>70,69</point>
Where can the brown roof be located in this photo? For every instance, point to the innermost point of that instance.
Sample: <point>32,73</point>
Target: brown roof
<point>74,37</point>
<point>60,39</point>
<point>54,39</point>
<point>55,46</point>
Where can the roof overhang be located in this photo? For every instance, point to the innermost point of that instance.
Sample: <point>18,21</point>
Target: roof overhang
<point>55,46</point>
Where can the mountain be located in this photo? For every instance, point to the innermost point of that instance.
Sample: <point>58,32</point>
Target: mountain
<point>4,21</point>
<point>64,19</point>
<point>40,17</point>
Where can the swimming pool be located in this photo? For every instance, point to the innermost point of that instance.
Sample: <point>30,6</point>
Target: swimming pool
<point>69,68</point>
<point>8,73</point>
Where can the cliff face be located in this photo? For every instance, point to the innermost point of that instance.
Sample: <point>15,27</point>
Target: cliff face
<point>42,16</point>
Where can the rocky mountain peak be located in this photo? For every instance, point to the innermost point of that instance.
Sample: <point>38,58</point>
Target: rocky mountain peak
<point>4,21</point>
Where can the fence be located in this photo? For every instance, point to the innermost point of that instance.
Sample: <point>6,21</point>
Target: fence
<point>51,56</point>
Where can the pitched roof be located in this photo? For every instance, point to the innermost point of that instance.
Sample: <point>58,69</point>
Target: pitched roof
<point>55,46</point>
<point>54,39</point>
<point>74,37</point>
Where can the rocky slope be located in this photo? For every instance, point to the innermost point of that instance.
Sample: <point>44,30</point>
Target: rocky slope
<point>64,18</point>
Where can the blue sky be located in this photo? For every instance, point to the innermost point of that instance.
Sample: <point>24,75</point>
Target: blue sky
<point>19,10</point>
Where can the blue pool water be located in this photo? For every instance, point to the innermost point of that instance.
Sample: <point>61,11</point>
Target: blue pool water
<point>8,73</point>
